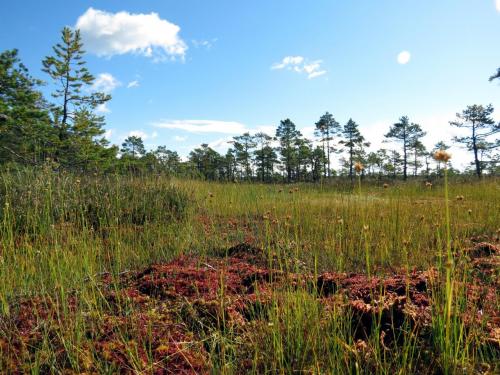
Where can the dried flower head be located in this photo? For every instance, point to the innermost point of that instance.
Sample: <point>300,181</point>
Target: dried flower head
<point>358,167</point>
<point>428,184</point>
<point>459,197</point>
<point>386,186</point>
<point>442,155</point>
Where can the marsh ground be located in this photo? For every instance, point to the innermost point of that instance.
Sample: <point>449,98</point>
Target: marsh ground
<point>154,275</point>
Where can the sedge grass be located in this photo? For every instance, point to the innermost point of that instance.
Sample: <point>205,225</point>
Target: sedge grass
<point>60,232</point>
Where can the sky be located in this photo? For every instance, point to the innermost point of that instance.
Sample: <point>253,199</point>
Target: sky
<point>187,72</point>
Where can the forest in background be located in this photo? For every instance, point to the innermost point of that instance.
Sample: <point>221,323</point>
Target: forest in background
<point>68,132</point>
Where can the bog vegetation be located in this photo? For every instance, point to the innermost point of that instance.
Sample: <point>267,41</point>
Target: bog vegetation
<point>130,261</point>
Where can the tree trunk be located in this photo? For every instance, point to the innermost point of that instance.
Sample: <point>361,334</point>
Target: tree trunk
<point>328,151</point>
<point>474,147</point>
<point>350,162</point>
<point>405,161</point>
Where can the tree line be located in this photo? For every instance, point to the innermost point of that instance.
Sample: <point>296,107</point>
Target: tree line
<point>68,131</point>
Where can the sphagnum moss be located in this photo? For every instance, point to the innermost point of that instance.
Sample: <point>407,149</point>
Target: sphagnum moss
<point>60,234</point>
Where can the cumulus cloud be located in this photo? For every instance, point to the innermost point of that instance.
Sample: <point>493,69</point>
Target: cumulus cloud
<point>108,34</point>
<point>203,126</point>
<point>132,84</point>
<point>300,64</point>
<point>105,82</point>
<point>404,57</point>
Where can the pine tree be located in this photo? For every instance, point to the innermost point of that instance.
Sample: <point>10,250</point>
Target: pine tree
<point>288,135</point>
<point>352,140</point>
<point>208,162</point>
<point>133,147</point>
<point>265,156</point>
<point>25,133</point>
<point>478,120</point>
<point>243,145</point>
<point>87,148</point>
<point>327,127</point>
<point>407,134</point>
<point>68,72</point>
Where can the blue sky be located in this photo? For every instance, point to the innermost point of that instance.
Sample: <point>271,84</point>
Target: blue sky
<point>202,71</point>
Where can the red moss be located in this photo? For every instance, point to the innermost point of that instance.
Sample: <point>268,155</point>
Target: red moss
<point>157,317</point>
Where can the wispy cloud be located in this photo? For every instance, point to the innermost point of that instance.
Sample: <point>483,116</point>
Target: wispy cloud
<point>497,5</point>
<point>203,126</point>
<point>108,34</point>
<point>207,44</point>
<point>131,84</point>
<point>300,64</point>
<point>178,138</point>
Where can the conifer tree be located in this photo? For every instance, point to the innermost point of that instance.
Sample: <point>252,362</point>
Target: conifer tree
<point>72,79</point>
<point>352,140</point>
<point>25,132</point>
<point>327,127</point>
<point>406,133</point>
<point>477,119</point>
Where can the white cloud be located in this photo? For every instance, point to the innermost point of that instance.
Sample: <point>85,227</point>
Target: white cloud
<point>267,129</point>
<point>108,134</point>
<point>138,133</point>
<point>178,138</point>
<point>497,3</point>
<point>103,108</point>
<point>107,34</point>
<point>300,64</point>
<point>132,84</point>
<point>221,145</point>
<point>207,44</point>
<point>308,132</point>
<point>404,57</point>
<point>203,126</point>
<point>288,61</point>
<point>105,82</point>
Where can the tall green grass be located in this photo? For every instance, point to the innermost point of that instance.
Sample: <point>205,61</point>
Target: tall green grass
<point>59,232</point>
